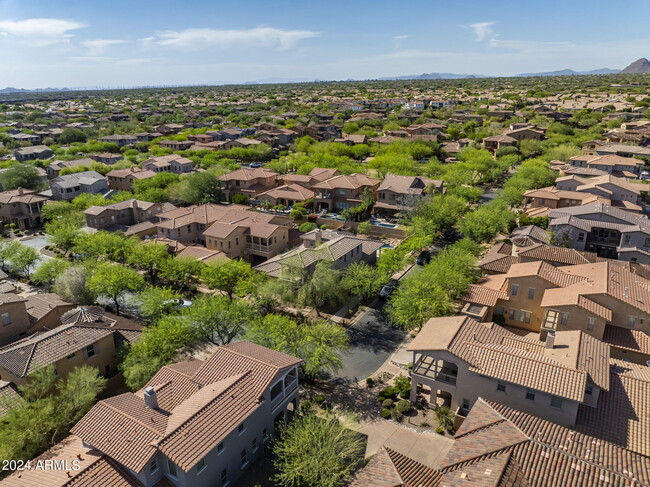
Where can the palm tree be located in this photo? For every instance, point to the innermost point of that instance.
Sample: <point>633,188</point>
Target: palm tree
<point>445,417</point>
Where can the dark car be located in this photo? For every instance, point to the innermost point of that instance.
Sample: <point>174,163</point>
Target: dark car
<point>423,258</point>
<point>388,289</point>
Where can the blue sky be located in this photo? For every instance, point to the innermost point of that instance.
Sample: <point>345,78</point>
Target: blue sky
<point>117,43</point>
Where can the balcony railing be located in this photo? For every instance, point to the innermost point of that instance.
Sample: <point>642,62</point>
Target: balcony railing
<point>258,247</point>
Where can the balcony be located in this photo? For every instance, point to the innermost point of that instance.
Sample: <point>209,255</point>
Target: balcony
<point>259,248</point>
<point>323,196</point>
<point>436,369</point>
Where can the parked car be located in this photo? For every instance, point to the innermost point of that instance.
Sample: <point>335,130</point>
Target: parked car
<point>255,164</point>
<point>388,289</point>
<point>423,258</point>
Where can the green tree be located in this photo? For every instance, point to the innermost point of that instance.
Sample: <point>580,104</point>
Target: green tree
<point>181,273</point>
<point>364,228</point>
<point>158,346</point>
<point>8,250</point>
<point>316,452</point>
<point>322,287</point>
<point>114,281</point>
<point>156,302</point>
<point>199,188</point>
<point>20,176</point>
<point>102,244</point>
<point>487,221</point>
<point>363,280</point>
<point>227,275</point>
<point>218,319</point>
<point>24,259</point>
<point>63,233</point>
<point>49,271</point>
<point>307,227</point>
<point>48,411</point>
<point>319,344</point>
<point>148,257</point>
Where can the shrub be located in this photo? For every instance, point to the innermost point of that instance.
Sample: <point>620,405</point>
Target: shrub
<point>424,424</point>
<point>385,413</point>
<point>403,385</point>
<point>370,381</point>
<point>396,415</point>
<point>439,430</point>
<point>240,199</point>
<point>319,399</point>
<point>403,406</point>
<point>388,403</point>
<point>388,393</point>
<point>307,227</point>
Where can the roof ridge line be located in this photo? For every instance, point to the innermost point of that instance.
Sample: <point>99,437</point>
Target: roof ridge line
<point>556,364</point>
<point>166,435</point>
<point>136,420</point>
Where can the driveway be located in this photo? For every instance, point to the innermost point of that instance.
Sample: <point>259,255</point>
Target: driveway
<point>372,341</point>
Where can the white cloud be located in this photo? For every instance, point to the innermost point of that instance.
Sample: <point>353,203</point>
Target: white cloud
<point>39,32</point>
<point>102,43</point>
<point>90,58</point>
<point>483,30</point>
<point>197,39</point>
<point>397,40</point>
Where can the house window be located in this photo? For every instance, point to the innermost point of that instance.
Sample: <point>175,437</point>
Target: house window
<point>514,289</point>
<point>341,191</point>
<point>531,293</point>
<point>220,447</point>
<point>153,466</point>
<point>646,243</point>
<point>171,467</point>
<point>556,402</point>
<point>530,394</point>
<point>631,320</point>
<point>6,319</point>
<point>589,389</point>
<point>90,350</point>
<point>243,458</point>
<point>519,315</point>
<point>564,318</point>
<point>254,445</point>
<point>200,465</point>
<point>499,311</point>
<point>581,237</point>
<point>465,404</point>
<point>224,477</point>
<point>241,428</point>
<point>626,239</point>
<point>71,356</point>
<point>276,390</point>
<point>591,323</point>
<point>501,387</point>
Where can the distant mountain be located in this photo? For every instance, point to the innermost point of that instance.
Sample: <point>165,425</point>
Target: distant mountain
<point>431,76</point>
<point>569,72</point>
<point>639,66</point>
<point>9,89</point>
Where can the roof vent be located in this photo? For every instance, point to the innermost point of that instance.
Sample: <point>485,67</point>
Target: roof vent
<point>150,398</point>
<point>626,292</point>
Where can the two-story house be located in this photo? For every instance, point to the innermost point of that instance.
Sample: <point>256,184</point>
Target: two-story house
<point>120,139</point>
<point>70,186</point>
<point>124,213</point>
<point>195,423</point>
<point>34,152</point>
<point>85,337</point>
<point>397,193</point>
<point>122,179</point>
<point>171,163</point>
<point>286,195</point>
<point>233,229</point>
<point>321,245</point>
<point>249,181</point>
<point>22,207</point>
<point>343,191</point>
<point>53,169</point>
<point>457,359</point>
<point>610,163</point>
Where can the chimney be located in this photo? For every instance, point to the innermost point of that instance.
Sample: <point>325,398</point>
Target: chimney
<point>134,206</point>
<point>150,398</point>
<point>20,191</point>
<point>550,340</point>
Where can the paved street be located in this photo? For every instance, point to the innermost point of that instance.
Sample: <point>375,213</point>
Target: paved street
<point>372,341</point>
